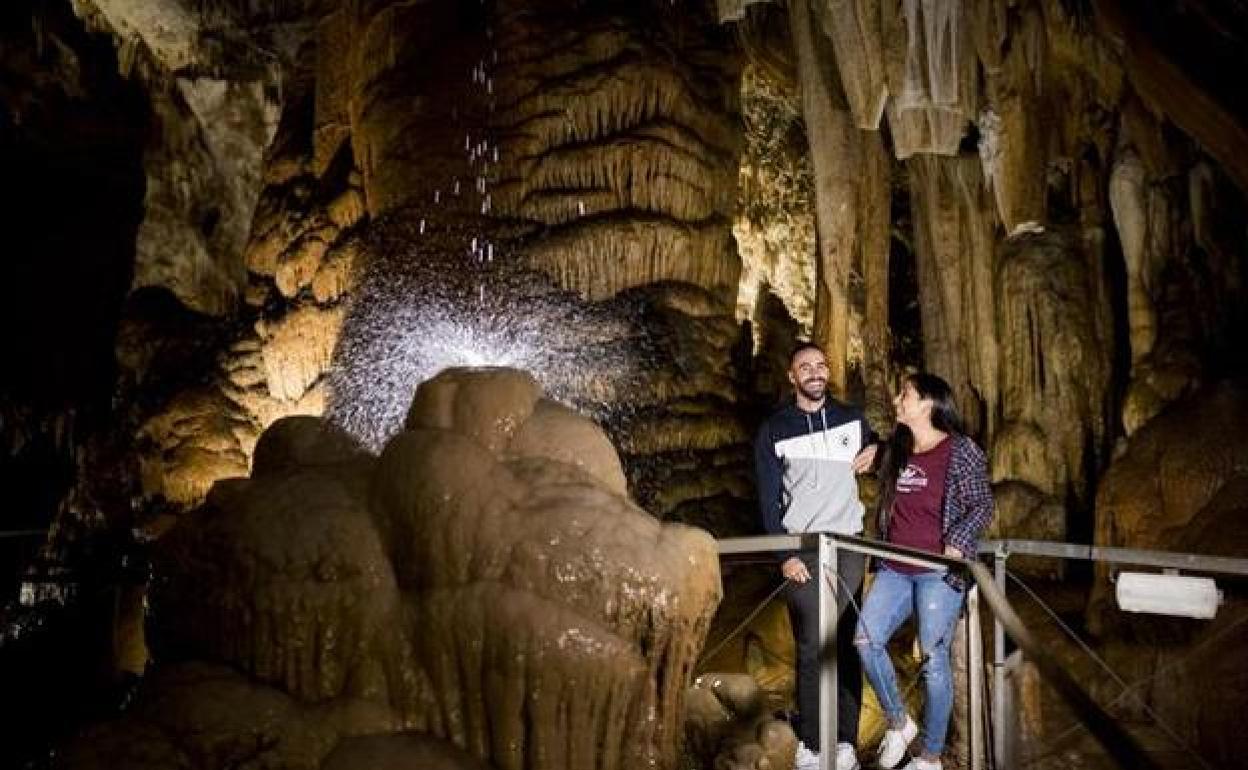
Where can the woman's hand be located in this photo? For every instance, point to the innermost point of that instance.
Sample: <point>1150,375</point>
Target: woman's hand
<point>952,552</point>
<point>795,569</point>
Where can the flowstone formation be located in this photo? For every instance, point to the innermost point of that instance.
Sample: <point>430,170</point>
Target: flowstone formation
<point>481,592</point>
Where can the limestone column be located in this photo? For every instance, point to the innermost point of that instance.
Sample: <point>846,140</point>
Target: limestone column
<point>834,151</point>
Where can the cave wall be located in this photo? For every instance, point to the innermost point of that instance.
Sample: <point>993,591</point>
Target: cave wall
<point>71,144</point>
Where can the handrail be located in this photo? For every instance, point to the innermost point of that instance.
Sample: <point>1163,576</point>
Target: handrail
<point>826,546</point>
<point>1116,741</point>
<point>741,546</point>
<point>1134,556</point>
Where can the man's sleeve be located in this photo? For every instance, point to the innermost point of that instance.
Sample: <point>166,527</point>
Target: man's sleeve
<point>769,469</point>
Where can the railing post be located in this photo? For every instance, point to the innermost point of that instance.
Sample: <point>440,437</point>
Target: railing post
<point>998,667</point>
<point>825,573</point>
<point>975,678</point>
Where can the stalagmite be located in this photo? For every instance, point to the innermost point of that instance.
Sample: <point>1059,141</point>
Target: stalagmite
<point>1052,363</point>
<point>484,580</point>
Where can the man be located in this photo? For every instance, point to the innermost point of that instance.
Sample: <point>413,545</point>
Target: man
<point>806,455</point>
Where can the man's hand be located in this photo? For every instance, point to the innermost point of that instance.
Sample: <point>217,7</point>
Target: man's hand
<point>795,569</point>
<point>865,459</point>
<point>953,552</point>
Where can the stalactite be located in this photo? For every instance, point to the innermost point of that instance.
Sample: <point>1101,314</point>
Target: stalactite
<point>1011,126</point>
<point>835,155</point>
<point>874,231</point>
<point>930,66</point>
<point>1128,197</point>
<point>855,28</point>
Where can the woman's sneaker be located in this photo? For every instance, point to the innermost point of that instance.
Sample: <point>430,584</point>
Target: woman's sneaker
<point>918,763</point>
<point>893,746</point>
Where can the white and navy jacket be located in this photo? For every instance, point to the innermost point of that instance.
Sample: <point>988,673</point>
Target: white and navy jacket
<point>806,482</point>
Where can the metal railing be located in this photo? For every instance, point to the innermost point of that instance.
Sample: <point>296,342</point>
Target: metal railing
<point>827,546</point>
<point>1001,550</point>
<point>1117,742</point>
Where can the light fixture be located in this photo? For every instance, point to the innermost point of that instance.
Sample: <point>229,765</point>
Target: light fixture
<point>1168,594</point>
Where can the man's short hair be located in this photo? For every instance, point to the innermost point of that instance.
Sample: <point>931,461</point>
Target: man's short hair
<point>801,347</point>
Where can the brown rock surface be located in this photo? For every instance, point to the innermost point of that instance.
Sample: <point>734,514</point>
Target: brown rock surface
<point>1173,468</point>
<point>728,726</point>
<point>1055,380</point>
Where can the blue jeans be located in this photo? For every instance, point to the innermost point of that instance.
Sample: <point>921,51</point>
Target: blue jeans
<point>892,598</point>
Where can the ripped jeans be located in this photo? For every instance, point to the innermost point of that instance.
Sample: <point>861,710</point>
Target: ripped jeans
<point>892,599</point>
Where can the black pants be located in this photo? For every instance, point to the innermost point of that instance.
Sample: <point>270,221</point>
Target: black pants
<point>803,601</point>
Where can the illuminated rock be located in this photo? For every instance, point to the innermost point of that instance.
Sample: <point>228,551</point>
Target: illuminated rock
<point>484,582</point>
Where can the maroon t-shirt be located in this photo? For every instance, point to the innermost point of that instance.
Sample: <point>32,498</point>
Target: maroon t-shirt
<point>920,490</point>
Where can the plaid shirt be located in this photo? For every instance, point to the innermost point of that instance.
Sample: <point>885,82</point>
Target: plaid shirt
<point>966,508</point>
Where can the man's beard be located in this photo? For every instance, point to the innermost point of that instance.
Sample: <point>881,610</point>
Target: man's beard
<point>805,388</point>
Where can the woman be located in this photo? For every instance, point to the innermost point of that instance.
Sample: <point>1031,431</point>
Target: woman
<point>934,496</point>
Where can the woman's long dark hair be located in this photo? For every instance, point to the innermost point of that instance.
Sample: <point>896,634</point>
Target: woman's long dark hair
<point>945,418</point>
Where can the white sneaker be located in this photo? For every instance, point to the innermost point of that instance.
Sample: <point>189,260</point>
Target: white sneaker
<point>893,746</point>
<point>846,757</point>
<point>918,763</point>
<point>805,759</point>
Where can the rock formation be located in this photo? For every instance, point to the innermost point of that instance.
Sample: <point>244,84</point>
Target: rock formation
<point>1180,485</point>
<point>484,582</point>
<point>729,727</point>
<point>630,192</point>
